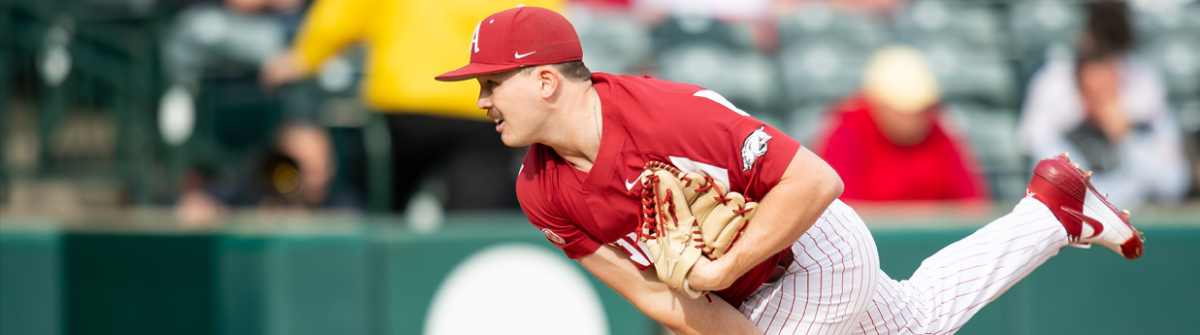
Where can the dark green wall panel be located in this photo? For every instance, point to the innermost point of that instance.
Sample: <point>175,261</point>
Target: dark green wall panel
<point>138,284</point>
<point>30,302</point>
<point>380,280</point>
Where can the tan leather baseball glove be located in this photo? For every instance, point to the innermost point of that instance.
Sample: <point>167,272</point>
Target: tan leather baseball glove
<point>686,216</point>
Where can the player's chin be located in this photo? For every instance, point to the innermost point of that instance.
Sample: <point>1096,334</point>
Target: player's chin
<point>511,140</point>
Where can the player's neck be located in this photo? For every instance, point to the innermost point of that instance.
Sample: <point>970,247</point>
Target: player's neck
<point>576,134</point>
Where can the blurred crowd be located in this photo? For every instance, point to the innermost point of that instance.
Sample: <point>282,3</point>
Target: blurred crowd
<point>297,105</point>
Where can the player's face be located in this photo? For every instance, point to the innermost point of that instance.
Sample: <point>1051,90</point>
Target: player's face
<point>512,101</point>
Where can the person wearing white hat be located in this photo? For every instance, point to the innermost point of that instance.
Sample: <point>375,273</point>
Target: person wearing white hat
<point>888,143</point>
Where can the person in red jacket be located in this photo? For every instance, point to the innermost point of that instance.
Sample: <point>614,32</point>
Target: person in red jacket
<point>887,144</point>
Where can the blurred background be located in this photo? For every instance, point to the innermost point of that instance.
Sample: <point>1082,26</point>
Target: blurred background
<point>290,166</point>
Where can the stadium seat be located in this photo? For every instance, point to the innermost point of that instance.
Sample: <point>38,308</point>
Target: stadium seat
<point>682,30</point>
<point>1166,17</point>
<point>967,46</point>
<point>823,50</point>
<point>970,74</point>
<point>821,70</point>
<point>745,78</point>
<point>1041,30</point>
<point>819,20</point>
<point>718,56</point>
<point>992,133</point>
<point>1169,38</point>
<point>612,43</point>
<point>1178,61</point>
<point>807,121</point>
<point>979,25</point>
<point>1187,113</point>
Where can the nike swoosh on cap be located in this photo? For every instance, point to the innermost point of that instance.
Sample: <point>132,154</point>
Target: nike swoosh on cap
<point>520,55</point>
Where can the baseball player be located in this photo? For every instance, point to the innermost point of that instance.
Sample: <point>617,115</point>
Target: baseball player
<point>607,151</point>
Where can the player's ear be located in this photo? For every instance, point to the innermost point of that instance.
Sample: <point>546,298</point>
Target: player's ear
<point>550,81</point>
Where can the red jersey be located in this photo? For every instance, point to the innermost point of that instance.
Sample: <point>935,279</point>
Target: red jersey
<point>646,119</point>
<point>874,169</point>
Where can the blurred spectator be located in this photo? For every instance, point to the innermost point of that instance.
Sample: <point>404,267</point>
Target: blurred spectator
<point>432,125</point>
<point>1109,110</point>
<point>297,174</point>
<point>234,33</point>
<point>196,207</point>
<point>887,142</point>
<point>289,13</point>
<point>312,149</point>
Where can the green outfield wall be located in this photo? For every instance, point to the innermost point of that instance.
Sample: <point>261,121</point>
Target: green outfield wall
<point>374,277</point>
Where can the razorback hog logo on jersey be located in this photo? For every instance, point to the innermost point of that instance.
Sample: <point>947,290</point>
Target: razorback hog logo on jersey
<point>754,147</point>
<point>550,235</point>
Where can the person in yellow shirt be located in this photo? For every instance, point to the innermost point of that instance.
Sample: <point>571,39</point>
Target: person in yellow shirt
<point>433,125</point>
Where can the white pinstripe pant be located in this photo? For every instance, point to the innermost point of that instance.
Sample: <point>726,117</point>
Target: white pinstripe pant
<point>835,286</point>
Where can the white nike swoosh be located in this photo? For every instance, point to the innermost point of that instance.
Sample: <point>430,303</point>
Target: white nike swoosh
<point>520,55</point>
<point>629,184</point>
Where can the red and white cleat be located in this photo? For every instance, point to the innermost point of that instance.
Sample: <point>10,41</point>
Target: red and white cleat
<point>1088,217</point>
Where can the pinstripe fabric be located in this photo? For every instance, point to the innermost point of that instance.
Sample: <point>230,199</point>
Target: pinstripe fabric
<point>829,285</point>
<point>835,286</point>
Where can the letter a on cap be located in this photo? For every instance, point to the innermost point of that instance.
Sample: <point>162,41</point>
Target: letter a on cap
<point>475,39</point>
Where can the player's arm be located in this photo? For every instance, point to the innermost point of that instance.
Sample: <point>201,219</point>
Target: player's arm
<point>805,190</point>
<point>328,26</point>
<point>659,302</point>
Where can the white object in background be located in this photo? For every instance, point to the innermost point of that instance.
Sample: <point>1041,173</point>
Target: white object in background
<point>336,75</point>
<point>516,289</point>
<point>176,115</point>
<point>55,61</point>
<point>55,65</point>
<point>425,212</point>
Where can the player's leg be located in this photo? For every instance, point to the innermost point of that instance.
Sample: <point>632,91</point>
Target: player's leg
<point>829,284</point>
<point>953,284</point>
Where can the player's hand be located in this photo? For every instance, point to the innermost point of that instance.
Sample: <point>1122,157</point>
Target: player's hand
<point>708,275</point>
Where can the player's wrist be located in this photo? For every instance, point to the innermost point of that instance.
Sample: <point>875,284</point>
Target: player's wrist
<point>709,275</point>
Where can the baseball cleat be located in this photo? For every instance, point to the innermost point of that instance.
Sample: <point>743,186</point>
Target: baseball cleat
<point>1086,214</point>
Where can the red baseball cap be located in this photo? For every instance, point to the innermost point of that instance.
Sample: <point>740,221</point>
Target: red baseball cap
<point>518,37</point>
